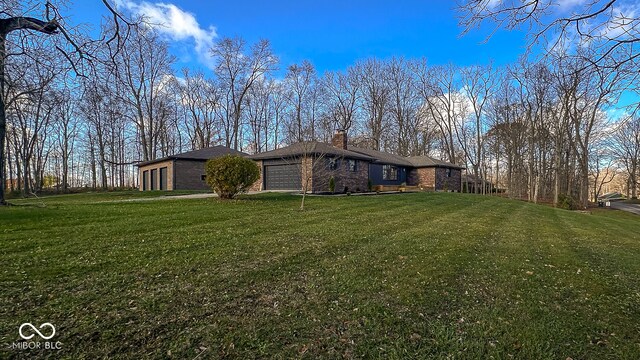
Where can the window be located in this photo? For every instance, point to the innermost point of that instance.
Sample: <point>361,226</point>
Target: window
<point>389,172</point>
<point>448,172</point>
<point>352,165</point>
<point>333,164</point>
<point>203,177</point>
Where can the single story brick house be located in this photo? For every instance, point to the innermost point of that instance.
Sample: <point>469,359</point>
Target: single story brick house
<point>183,171</point>
<point>311,165</point>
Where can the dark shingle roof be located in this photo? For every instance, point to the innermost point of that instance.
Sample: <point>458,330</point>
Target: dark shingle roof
<point>383,157</point>
<point>202,154</point>
<point>427,161</point>
<point>315,147</point>
<point>310,147</point>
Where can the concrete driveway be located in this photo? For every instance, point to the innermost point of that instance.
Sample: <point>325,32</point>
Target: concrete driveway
<point>166,197</point>
<point>632,208</point>
<point>189,196</point>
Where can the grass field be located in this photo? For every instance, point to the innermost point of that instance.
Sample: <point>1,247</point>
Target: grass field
<point>392,276</point>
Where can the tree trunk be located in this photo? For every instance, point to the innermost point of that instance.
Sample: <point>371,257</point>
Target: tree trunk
<point>3,120</point>
<point>9,167</point>
<point>65,159</point>
<point>634,183</point>
<point>7,26</point>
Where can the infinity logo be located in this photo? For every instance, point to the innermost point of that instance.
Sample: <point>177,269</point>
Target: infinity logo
<point>53,331</point>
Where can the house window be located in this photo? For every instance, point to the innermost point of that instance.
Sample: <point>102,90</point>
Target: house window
<point>333,164</point>
<point>389,172</point>
<point>352,165</point>
<point>448,172</point>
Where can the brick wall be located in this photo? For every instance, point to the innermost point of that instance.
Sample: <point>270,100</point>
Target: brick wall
<point>189,175</point>
<point>435,178</point>
<point>355,181</point>
<point>339,139</point>
<point>156,166</point>
<point>448,183</point>
<point>424,178</point>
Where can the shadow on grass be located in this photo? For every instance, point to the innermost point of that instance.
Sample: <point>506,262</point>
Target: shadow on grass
<point>261,197</point>
<point>25,205</point>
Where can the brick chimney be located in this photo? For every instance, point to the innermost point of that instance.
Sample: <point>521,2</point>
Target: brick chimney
<point>340,139</point>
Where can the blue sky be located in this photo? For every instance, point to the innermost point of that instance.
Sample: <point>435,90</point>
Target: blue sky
<point>331,34</point>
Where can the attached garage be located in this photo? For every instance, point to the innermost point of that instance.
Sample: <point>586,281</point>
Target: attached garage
<point>282,177</point>
<point>183,171</point>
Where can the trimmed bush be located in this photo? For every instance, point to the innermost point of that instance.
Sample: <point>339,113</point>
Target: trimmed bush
<point>231,175</point>
<point>332,185</point>
<point>567,202</point>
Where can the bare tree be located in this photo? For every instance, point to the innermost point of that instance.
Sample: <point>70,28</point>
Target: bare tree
<point>342,91</point>
<point>200,100</point>
<point>403,105</point>
<point>626,148</point>
<point>479,84</point>
<point>603,22</point>
<point>8,26</point>
<point>438,88</point>
<point>144,71</point>
<point>610,27</point>
<point>375,98</point>
<point>598,92</point>
<point>258,112</point>
<point>237,72</point>
<point>602,170</point>
<point>300,82</point>
<point>67,131</point>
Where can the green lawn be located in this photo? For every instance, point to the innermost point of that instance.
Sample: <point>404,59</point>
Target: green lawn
<point>390,276</point>
<point>100,196</point>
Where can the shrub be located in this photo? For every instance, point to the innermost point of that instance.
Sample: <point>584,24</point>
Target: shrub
<point>370,185</point>
<point>332,184</point>
<point>567,202</point>
<point>231,175</point>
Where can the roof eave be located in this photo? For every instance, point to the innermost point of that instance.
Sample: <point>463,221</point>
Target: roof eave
<point>149,162</point>
<point>285,156</point>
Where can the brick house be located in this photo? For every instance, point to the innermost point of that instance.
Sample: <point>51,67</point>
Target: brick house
<point>183,171</point>
<point>311,165</point>
<point>308,165</point>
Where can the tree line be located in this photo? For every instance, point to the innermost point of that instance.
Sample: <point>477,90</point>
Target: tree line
<point>540,130</point>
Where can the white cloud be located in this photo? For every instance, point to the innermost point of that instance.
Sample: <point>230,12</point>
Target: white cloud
<point>492,4</point>
<point>175,23</point>
<point>567,5</point>
<point>623,24</point>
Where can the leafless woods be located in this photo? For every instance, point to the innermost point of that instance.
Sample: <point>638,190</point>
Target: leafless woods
<point>537,130</point>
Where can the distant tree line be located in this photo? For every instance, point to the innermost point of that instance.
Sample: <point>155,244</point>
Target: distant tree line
<point>539,130</point>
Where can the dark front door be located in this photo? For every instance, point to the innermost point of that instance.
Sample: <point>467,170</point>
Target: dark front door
<point>154,179</point>
<point>145,180</point>
<point>163,178</point>
<point>282,177</point>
